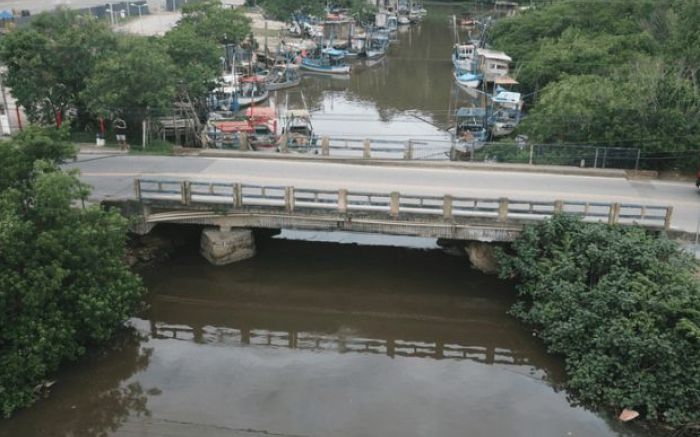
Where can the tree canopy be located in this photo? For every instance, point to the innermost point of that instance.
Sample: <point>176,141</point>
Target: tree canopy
<point>63,282</point>
<point>621,306</point>
<point>609,73</point>
<point>210,20</point>
<point>49,62</point>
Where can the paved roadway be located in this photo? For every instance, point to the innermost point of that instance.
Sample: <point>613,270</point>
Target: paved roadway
<point>112,177</point>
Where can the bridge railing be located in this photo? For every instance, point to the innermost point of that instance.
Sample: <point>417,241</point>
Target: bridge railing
<point>394,205</point>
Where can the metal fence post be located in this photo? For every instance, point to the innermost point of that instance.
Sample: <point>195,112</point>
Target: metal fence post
<point>447,207</point>
<point>532,152</point>
<point>595,160</point>
<point>367,150</point>
<point>325,146</point>
<point>289,199</point>
<point>503,209</point>
<point>395,200</point>
<point>342,201</point>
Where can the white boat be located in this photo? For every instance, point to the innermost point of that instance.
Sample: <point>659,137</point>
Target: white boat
<point>463,56</point>
<point>467,80</point>
<point>403,20</point>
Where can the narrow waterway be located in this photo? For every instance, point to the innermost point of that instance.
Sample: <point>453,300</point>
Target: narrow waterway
<point>409,94</point>
<point>313,338</point>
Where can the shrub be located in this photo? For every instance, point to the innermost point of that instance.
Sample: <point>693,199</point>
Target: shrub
<point>622,307</point>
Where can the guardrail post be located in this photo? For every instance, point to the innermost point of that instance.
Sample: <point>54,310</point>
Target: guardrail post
<point>325,146</point>
<point>667,219</point>
<point>614,214</point>
<point>342,201</point>
<point>284,147</point>
<point>503,209</point>
<point>558,206</point>
<point>447,207</point>
<point>408,152</point>
<point>395,198</point>
<point>237,195</point>
<point>245,144</point>
<point>137,188</point>
<point>289,199</point>
<point>367,150</point>
<point>185,192</point>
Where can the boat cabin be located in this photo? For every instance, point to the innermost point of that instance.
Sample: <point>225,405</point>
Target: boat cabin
<point>493,64</point>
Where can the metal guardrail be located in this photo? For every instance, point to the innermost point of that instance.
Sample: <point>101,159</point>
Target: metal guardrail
<point>394,205</point>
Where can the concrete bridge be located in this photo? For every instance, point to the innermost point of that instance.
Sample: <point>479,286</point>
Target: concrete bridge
<point>232,209</point>
<point>458,201</point>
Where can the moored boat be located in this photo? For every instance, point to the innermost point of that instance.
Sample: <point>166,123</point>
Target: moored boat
<point>329,61</point>
<point>467,81</point>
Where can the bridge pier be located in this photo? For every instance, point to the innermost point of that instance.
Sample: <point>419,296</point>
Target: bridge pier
<point>224,245</point>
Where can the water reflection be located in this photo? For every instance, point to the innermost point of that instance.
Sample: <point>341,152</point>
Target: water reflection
<point>91,398</point>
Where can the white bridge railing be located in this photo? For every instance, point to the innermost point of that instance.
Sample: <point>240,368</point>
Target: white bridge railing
<point>394,205</point>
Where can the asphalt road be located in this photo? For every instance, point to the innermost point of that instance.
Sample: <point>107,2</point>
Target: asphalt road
<point>112,177</point>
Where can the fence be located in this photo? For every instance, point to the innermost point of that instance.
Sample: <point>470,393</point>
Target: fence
<point>394,205</point>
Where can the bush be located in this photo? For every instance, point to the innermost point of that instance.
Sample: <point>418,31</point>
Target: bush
<point>621,306</point>
<point>63,282</point>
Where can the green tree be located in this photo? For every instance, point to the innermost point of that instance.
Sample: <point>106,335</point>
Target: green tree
<point>197,59</point>
<point>210,20</point>
<point>49,62</point>
<point>621,306</point>
<point>63,283</point>
<point>284,9</point>
<point>138,78</point>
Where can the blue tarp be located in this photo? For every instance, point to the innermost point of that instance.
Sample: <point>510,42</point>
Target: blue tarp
<point>6,15</point>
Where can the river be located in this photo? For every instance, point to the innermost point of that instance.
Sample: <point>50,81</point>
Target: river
<point>317,338</point>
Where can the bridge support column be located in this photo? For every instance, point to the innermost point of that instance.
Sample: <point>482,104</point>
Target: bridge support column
<point>226,246</point>
<point>482,256</point>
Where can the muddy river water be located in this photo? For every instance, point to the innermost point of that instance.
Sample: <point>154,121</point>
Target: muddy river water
<point>314,338</point>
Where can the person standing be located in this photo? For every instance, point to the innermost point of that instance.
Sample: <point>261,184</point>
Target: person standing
<point>120,129</point>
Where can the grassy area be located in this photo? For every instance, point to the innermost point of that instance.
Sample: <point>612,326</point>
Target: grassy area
<point>155,147</point>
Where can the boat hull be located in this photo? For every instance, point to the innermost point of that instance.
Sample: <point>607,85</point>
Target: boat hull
<point>337,69</point>
<point>274,86</point>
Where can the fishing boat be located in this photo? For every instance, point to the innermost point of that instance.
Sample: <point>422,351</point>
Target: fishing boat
<point>298,130</point>
<point>470,133</point>
<point>282,77</point>
<point>263,120</point>
<point>253,90</point>
<point>463,56</point>
<point>467,81</point>
<point>507,108</point>
<point>227,130</point>
<point>329,61</point>
<point>392,23</point>
<point>403,20</point>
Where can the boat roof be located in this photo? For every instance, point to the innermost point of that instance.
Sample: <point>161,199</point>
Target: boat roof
<point>468,76</point>
<point>255,78</point>
<point>299,113</point>
<point>471,112</point>
<point>505,80</point>
<point>507,97</point>
<point>494,54</point>
<point>261,112</point>
<point>228,126</point>
<point>334,52</point>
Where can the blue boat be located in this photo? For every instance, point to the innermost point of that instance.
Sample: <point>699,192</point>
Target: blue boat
<point>330,61</point>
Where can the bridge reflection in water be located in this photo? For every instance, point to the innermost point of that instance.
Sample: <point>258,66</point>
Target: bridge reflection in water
<point>339,343</point>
